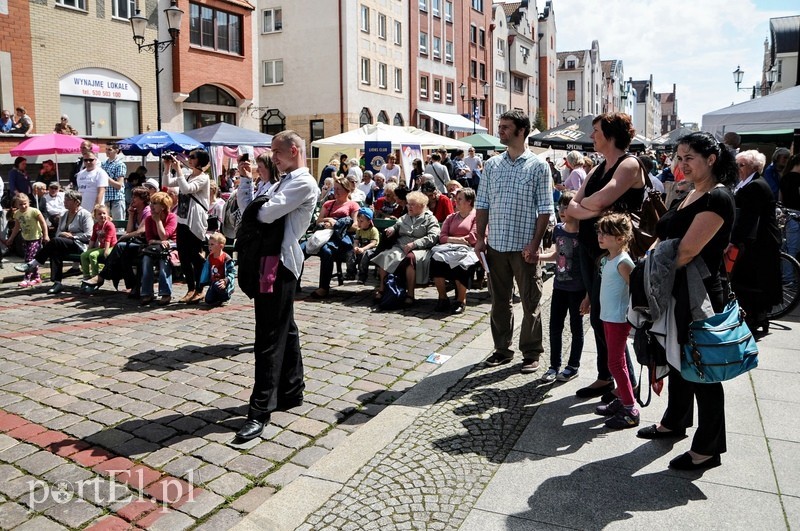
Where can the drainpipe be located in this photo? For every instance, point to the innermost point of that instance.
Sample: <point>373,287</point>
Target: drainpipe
<point>341,73</point>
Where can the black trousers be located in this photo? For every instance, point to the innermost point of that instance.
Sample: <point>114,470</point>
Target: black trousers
<point>709,439</point>
<point>55,250</point>
<point>279,364</point>
<point>120,262</point>
<point>190,253</point>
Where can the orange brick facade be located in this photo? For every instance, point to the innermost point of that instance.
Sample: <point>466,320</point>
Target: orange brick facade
<point>15,38</point>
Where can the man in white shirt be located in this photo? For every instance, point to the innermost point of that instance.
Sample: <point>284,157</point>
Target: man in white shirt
<point>279,365</point>
<point>92,182</point>
<point>54,199</point>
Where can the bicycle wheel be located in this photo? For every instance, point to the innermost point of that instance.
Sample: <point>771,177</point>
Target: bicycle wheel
<point>790,271</point>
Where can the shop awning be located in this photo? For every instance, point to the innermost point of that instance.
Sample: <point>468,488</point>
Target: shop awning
<point>455,122</point>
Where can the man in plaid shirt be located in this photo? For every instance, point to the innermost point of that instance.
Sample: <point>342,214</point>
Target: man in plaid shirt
<point>515,200</point>
<point>115,191</point>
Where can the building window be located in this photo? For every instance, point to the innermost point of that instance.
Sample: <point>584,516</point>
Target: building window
<point>398,120</point>
<point>123,8</point>
<point>398,33</point>
<point>501,47</point>
<point>102,117</point>
<point>383,118</point>
<point>273,20</point>
<point>779,73</point>
<point>365,71</point>
<point>500,78</point>
<point>482,38</point>
<point>423,87</point>
<point>570,84</point>
<point>448,91</point>
<point>273,72</point>
<point>477,5</point>
<point>381,26</point>
<point>365,117</point>
<point>473,34</point>
<point>437,90</point>
<point>473,69</point>
<point>423,43</point>
<point>317,128</point>
<point>526,52</point>
<point>519,84</point>
<point>215,29</point>
<point>448,11</point>
<point>365,19</point>
<point>77,4</point>
<point>211,95</point>
<point>571,64</point>
<point>448,51</point>
<point>195,116</point>
<point>570,105</point>
<point>437,47</point>
<point>499,109</point>
<point>382,76</point>
<point>195,119</point>
<point>273,122</point>
<point>423,5</point>
<point>482,72</point>
<point>436,8</point>
<point>398,80</point>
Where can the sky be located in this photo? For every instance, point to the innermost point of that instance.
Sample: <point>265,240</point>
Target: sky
<point>696,44</point>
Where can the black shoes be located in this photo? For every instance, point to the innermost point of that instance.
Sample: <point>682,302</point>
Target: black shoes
<point>592,392</point>
<point>251,429</point>
<point>651,432</point>
<point>684,462</point>
<point>496,360</point>
<point>458,308</point>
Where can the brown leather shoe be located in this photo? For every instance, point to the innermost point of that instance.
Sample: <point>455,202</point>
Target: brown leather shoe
<point>197,297</point>
<point>187,297</point>
<point>145,300</point>
<point>164,300</point>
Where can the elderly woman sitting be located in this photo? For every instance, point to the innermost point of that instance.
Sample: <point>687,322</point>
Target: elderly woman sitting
<point>417,232</point>
<point>453,257</point>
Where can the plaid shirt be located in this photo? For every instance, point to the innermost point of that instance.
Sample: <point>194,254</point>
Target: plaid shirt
<point>515,193</point>
<point>115,169</point>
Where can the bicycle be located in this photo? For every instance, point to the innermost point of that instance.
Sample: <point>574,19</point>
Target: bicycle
<point>790,267</point>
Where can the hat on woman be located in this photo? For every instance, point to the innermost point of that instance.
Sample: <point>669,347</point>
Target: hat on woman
<point>152,183</point>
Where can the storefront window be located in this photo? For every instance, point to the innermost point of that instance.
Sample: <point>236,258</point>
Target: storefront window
<point>100,103</point>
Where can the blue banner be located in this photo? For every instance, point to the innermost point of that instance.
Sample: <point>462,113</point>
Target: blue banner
<point>375,154</point>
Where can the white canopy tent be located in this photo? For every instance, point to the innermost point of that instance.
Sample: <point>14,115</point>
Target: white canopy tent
<point>387,133</point>
<point>455,122</point>
<point>780,110</point>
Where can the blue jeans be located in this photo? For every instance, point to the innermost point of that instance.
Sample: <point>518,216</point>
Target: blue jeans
<point>329,254</point>
<point>793,237</point>
<point>563,302</point>
<point>215,296</point>
<point>164,275</point>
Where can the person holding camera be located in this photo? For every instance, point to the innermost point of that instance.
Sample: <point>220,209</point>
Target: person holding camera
<point>192,212</point>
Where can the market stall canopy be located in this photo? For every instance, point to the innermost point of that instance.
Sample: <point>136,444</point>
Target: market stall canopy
<point>397,135</point>
<point>779,110</point>
<point>50,144</point>
<point>223,134</point>
<point>574,135</point>
<point>455,122</point>
<point>484,142</point>
<point>670,140</point>
<point>156,142</point>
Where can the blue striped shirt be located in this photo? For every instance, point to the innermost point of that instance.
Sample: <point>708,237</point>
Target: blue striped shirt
<point>115,169</point>
<point>515,193</point>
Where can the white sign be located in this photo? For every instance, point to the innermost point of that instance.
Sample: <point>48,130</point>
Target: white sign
<point>99,83</point>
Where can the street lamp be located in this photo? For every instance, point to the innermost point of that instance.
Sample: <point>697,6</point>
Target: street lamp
<point>739,73</point>
<point>139,24</point>
<point>462,89</point>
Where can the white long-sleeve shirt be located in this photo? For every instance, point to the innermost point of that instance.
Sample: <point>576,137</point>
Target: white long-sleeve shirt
<point>294,197</point>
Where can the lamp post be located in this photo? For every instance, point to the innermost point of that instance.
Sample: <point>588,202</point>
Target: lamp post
<point>139,24</point>
<point>739,73</point>
<point>462,89</point>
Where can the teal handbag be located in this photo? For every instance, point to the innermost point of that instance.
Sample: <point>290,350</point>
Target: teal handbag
<point>719,348</point>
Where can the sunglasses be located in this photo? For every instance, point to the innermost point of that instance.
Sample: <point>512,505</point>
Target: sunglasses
<point>89,160</point>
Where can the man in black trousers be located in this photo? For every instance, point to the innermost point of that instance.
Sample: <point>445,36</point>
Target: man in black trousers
<point>279,364</point>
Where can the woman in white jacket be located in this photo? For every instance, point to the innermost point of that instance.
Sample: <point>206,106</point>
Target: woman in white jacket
<point>192,212</point>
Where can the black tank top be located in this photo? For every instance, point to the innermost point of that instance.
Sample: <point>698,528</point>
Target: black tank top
<point>630,201</point>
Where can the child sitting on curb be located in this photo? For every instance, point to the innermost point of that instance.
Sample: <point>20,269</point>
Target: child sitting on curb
<point>218,272</point>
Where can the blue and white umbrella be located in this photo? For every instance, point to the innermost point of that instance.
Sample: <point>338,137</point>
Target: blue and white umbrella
<point>156,142</point>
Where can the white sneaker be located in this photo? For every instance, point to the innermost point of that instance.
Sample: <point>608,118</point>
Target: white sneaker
<point>550,375</point>
<point>568,374</point>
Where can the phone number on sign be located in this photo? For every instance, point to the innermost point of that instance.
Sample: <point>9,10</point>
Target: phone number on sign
<point>102,93</point>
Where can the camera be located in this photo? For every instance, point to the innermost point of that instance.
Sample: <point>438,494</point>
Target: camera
<point>245,157</point>
<point>168,155</point>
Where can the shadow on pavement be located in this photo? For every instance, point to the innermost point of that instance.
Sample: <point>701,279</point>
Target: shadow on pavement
<point>181,358</point>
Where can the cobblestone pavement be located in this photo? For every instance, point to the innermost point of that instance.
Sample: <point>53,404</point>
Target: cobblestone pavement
<point>113,416</point>
<point>434,472</point>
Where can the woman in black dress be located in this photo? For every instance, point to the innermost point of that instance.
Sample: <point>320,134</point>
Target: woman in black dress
<point>703,222</point>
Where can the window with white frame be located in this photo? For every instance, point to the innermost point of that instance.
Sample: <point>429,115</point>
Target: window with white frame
<point>501,46</point>
<point>436,8</point>
<point>123,8</point>
<point>382,74</point>
<point>482,38</point>
<point>365,70</point>
<point>437,47</point>
<point>423,5</point>
<point>519,84</point>
<point>448,51</point>
<point>273,72</point>
<point>77,4</point>
<point>448,91</point>
<point>473,69</point>
<point>423,43</point>
<point>473,33</point>
<point>273,20</point>
<point>398,33</point>
<point>500,78</point>
<point>477,5</point>
<point>381,26</point>
<point>526,52</point>
<point>365,19</point>
<point>423,87</point>
<point>437,90</point>
<point>448,11</point>
<point>398,80</point>
<point>499,109</point>
<point>215,29</point>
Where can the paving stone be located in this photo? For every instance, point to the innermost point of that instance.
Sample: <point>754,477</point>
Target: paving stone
<point>12,514</point>
<point>67,472</point>
<point>17,452</point>
<point>74,513</point>
<point>221,521</point>
<point>161,457</point>
<point>169,520</point>
<point>183,465</point>
<point>308,456</point>
<point>40,462</point>
<point>216,454</point>
<point>228,484</point>
<point>40,523</point>
<point>250,501</point>
<point>201,504</point>
<point>250,465</point>
<point>284,475</point>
